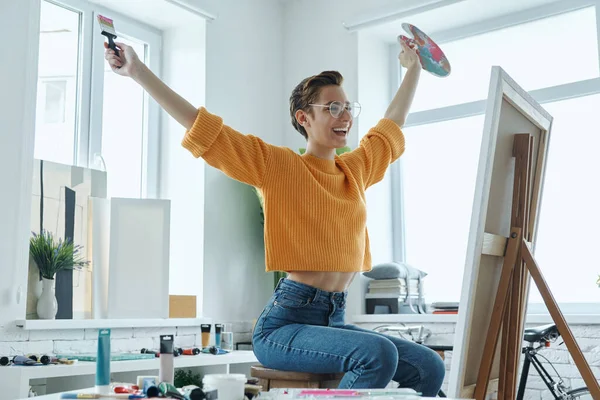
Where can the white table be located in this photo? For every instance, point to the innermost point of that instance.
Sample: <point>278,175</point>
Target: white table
<point>15,380</point>
<point>57,396</point>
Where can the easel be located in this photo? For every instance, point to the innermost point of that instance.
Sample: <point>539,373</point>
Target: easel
<point>508,313</point>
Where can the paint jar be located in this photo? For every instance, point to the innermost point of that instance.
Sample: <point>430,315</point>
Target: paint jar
<point>166,372</point>
<point>227,341</point>
<point>205,328</point>
<point>228,386</point>
<point>103,362</point>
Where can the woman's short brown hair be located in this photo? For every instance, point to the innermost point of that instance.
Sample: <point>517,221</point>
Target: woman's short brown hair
<point>307,92</point>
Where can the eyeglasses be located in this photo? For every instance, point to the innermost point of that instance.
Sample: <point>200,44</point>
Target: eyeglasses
<point>336,108</point>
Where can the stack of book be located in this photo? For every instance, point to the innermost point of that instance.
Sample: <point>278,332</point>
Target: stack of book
<point>392,288</point>
<point>442,307</point>
<point>393,296</point>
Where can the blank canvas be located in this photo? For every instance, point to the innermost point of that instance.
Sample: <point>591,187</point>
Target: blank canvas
<point>139,258</point>
<point>510,110</point>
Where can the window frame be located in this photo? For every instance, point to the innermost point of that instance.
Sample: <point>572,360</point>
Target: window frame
<point>544,95</point>
<point>90,83</point>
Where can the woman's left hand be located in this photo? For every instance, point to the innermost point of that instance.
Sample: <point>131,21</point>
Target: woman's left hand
<point>409,57</point>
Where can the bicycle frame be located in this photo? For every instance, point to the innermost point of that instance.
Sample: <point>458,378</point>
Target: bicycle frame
<point>556,388</point>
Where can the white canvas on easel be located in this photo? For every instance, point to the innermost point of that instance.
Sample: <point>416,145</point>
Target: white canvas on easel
<point>509,110</point>
<point>139,258</point>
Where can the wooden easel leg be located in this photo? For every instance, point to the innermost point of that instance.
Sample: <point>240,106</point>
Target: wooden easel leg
<point>491,339</point>
<point>559,320</point>
<point>528,217</point>
<point>512,324</point>
<point>522,148</point>
<point>512,288</point>
<point>503,369</point>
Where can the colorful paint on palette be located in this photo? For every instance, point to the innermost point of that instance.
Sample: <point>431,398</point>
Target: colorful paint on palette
<point>431,56</point>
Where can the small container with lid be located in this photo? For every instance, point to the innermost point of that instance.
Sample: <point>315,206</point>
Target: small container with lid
<point>228,386</point>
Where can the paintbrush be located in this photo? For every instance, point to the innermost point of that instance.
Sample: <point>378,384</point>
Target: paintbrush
<point>108,30</point>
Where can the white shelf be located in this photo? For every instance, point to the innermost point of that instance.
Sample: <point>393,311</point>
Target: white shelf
<point>404,318</point>
<point>89,368</point>
<point>39,324</point>
<point>574,319</point>
<point>15,380</point>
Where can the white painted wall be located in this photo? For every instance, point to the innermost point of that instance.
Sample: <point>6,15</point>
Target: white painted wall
<point>316,40</point>
<point>17,126</point>
<point>374,87</point>
<point>181,175</point>
<point>248,81</point>
<point>244,75</point>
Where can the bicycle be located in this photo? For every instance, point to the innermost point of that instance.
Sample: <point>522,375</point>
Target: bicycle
<point>537,338</point>
<point>541,337</point>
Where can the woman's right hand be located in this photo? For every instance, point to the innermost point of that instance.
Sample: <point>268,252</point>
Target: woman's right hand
<point>126,63</point>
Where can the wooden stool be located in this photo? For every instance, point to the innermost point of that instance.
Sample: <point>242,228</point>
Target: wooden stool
<point>272,378</point>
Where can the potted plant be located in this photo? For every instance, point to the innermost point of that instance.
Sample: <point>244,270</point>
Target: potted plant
<point>50,256</point>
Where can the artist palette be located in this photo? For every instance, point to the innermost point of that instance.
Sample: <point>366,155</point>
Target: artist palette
<point>431,56</point>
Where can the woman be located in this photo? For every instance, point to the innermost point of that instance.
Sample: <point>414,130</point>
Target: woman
<point>315,223</point>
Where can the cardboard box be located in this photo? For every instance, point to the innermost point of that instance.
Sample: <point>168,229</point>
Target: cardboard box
<point>182,306</point>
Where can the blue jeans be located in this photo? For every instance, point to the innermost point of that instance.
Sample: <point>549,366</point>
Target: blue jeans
<point>302,329</point>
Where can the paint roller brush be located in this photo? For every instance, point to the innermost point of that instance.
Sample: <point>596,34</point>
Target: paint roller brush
<point>108,30</point>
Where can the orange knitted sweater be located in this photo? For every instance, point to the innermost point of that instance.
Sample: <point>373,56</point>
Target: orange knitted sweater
<point>315,211</point>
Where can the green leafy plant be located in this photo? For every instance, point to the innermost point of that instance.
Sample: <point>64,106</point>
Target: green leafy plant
<point>185,378</point>
<point>51,255</point>
<point>261,200</point>
<point>598,281</point>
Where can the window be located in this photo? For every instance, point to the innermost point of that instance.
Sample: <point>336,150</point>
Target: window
<point>58,68</point>
<point>569,213</point>
<point>438,174</point>
<point>528,52</point>
<point>86,114</point>
<point>123,130</point>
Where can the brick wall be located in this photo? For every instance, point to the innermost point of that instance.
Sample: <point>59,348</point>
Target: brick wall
<point>16,341</point>
<point>587,336</point>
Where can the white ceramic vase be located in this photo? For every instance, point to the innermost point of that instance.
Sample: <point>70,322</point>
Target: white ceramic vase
<point>47,306</point>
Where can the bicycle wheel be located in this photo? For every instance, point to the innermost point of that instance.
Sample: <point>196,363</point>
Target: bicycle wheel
<point>581,393</point>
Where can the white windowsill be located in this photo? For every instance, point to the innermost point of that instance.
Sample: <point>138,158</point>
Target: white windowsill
<point>37,324</point>
<point>579,319</point>
<point>405,318</point>
<point>89,368</point>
